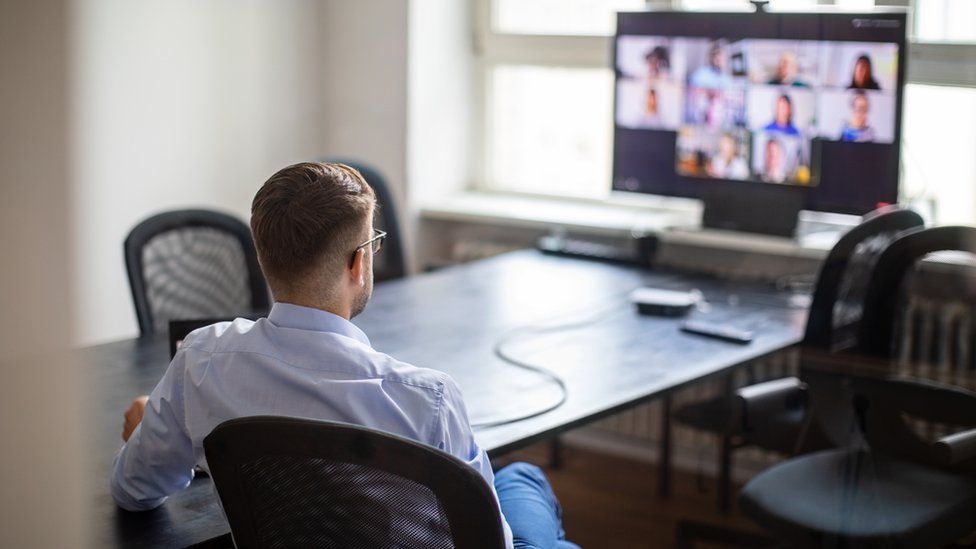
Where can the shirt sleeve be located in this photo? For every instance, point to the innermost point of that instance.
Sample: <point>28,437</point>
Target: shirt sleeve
<point>158,458</point>
<point>457,439</point>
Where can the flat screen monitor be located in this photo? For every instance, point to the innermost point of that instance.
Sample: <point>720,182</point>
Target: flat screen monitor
<point>809,102</point>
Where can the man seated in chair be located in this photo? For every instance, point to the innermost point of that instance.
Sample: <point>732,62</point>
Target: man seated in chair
<point>313,230</point>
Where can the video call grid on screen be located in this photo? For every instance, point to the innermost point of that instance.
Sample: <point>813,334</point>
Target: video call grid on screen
<point>807,100</point>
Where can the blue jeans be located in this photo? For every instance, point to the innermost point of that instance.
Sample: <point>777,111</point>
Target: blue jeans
<point>530,508</point>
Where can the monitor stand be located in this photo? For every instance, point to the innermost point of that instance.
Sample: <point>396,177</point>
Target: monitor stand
<point>767,209</point>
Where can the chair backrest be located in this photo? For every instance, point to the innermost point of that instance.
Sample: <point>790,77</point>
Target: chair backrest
<point>845,400</point>
<point>896,410</point>
<point>391,262</point>
<point>288,482</point>
<point>838,299</point>
<point>190,264</point>
<point>884,296</point>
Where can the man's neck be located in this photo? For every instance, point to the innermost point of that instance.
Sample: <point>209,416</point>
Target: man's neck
<point>337,309</point>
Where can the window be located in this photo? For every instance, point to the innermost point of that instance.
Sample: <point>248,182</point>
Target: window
<point>544,139</point>
<point>548,94</point>
<point>538,139</point>
<point>945,21</point>
<point>938,164</point>
<point>566,17</point>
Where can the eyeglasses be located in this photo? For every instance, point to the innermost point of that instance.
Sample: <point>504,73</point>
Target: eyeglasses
<point>377,241</point>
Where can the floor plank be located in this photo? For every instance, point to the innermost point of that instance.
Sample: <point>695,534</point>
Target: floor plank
<point>612,502</point>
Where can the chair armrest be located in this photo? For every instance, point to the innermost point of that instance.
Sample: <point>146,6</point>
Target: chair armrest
<point>956,448</point>
<point>767,398</point>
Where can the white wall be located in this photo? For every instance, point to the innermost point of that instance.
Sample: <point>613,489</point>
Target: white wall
<point>196,102</point>
<point>441,88</point>
<point>41,502</point>
<point>363,58</point>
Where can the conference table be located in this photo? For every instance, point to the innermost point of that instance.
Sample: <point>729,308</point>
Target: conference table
<point>569,316</point>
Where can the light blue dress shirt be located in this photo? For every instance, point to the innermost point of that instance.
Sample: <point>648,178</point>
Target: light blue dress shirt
<point>298,362</point>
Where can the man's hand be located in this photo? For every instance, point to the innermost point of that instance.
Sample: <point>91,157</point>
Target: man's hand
<point>133,416</point>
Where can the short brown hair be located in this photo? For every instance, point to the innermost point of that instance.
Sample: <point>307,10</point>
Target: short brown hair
<point>307,215</point>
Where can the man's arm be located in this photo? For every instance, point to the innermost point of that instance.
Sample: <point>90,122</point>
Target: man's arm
<point>157,458</point>
<point>457,439</point>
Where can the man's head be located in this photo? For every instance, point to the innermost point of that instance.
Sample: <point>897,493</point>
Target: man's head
<point>787,69</point>
<point>308,222</point>
<point>716,56</point>
<point>859,109</point>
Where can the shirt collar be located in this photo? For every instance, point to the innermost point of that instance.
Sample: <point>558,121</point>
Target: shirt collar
<point>289,315</point>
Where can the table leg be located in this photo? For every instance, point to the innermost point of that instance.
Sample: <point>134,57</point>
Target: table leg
<point>664,462</point>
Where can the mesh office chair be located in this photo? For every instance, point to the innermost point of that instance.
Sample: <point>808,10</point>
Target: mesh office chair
<point>773,415</point>
<point>886,485</point>
<point>192,264</point>
<point>391,263</point>
<point>288,482</point>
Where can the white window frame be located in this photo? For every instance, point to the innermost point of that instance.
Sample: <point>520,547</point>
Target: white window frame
<point>944,64</point>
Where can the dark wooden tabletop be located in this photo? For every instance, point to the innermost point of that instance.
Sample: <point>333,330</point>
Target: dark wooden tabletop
<point>609,356</point>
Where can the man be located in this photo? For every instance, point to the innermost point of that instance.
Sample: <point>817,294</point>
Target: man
<point>774,169</point>
<point>712,76</point>
<point>787,72</point>
<point>857,128</point>
<point>312,226</point>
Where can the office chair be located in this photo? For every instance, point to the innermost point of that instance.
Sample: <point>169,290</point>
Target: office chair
<point>773,415</point>
<point>877,333</point>
<point>885,485</point>
<point>191,264</point>
<point>289,482</point>
<point>391,263</point>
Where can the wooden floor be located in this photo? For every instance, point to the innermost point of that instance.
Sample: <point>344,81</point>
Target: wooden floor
<point>611,502</point>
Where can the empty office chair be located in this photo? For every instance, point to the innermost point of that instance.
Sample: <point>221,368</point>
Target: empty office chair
<point>773,415</point>
<point>192,264</point>
<point>886,485</point>
<point>877,331</point>
<point>391,262</point>
<point>288,482</point>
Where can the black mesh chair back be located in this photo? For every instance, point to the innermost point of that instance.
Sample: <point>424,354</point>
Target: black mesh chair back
<point>191,264</point>
<point>775,415</point>
<point>884,296</point>
<point>288,482</point>
<point>837,313</point>
<point>838,300</point>
<point>893,480</point>
<point>884,299</point>
<point>390,263</point>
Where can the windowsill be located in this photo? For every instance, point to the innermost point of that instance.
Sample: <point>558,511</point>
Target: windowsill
<point>610,217</point>
<point>675,221</point>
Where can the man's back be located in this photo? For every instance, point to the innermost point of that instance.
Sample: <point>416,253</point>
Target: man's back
<point>299,362</point>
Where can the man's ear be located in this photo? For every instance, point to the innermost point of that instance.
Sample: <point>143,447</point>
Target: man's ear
<point>357,269</point>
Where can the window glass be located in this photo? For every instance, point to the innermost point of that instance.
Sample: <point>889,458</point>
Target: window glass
<point>945,20</point>
<point>586,17</point>
<point>855,4</point>
<point>938,144</point>
<point>549,130</point>
<point>745,4</point>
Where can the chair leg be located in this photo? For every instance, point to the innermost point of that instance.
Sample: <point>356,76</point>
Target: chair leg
<point>725,475</point>
<point>556,452</point>
<point>664,471</point>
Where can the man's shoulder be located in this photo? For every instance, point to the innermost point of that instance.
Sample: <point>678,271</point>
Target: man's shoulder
<point>208,337</point>
<point>395,370</point>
